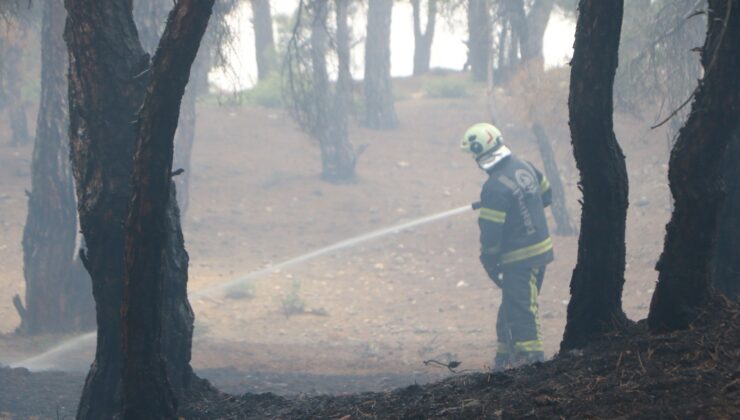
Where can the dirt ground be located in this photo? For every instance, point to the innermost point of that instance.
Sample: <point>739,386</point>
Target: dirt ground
<point>376,310</point>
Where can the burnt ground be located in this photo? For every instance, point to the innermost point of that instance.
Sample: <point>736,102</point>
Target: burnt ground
<point>633,374</point>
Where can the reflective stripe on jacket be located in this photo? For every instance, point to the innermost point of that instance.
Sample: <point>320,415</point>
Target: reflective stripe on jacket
<point>513,227</point>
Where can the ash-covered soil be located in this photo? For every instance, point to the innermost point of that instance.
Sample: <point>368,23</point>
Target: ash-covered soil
<point>687,374</point>
<point>633,374</point>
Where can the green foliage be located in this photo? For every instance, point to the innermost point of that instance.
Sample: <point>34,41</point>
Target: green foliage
<point>446,88</point>
<point>267,93</point>
<point>292,304</point>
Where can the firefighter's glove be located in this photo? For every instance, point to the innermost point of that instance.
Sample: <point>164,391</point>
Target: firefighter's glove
<point>492,267</point>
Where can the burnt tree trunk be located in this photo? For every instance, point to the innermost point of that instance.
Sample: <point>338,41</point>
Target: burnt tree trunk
<point>559,207</point>
<point>108,78</point>
<point>330,126</point>
<point>595,306</point>
<point>423,39</point>
<point>537,20</point>
<point>726,260</point>
<point>695,174</point>
<point>479,38</point>
<point>264,42</point>
<point>150,17</point>
<point>379,108</point>
<point>105,58</point>
<point>185,136</point>
<point>147,392</point>
<point>520,32</point>
<point>343,156</point>
<point>58,298</point>
<point>13,58</point>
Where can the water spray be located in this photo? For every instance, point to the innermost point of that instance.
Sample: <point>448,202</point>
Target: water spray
<point>47,360</point>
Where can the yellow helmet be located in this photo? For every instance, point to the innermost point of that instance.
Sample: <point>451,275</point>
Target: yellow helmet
<point>486,143</point>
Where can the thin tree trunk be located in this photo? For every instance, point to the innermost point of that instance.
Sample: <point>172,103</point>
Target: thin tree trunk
<point>108,77</point>
<point>13,83</point>
<point>150,17</point>
<point>58,299</point>
<point>343,155</point>
<point>380,111</point>
<point>559,206</point>
<point>479,38</point>
<point>146,389</point>
<point>695,174</point>
<point>423,39</point>
<point>501,71</point>
<point>263,39</point>
<point>596,286</point>
<point>520,32</point>
<point>322,126</point>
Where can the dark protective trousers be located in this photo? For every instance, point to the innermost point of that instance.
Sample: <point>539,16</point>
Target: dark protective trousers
<point>518,326</point>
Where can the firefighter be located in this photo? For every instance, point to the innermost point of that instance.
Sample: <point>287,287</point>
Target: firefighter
<point>515,242</point>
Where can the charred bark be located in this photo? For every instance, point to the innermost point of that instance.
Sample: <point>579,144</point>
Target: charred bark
<point>596,286</point>
<point>559,206</point>
<point>726,261</point>
<point>58,298</point>
<point>151,17</point>
<point>379,108</point>
<point>146,388</point>
<point>695,174</point>
<point>105,58</point>
<point>479,38</point>
<point>423,39</point>
<point>108,77</point>
<point>264,42</point>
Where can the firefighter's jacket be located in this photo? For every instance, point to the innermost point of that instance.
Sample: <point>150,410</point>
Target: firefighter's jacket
<point>513,228</point>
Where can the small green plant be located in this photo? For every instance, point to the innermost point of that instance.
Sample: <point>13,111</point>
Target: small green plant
<point>267,93</point>
<point>292,304</point>
<point>446,88</point>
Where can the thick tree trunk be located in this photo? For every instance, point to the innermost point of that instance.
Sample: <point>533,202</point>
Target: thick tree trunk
<point>108,77</point>
<point>105,58</point>
<point>559,206</point>
<point>423,39</point>
<point>537,20</point>
<point>695,174</point>
<point>596,286</point>
<point>58,299</point>
<point>479,38</point>
<point>379,108</point>
<point>263,39</point>
<point>146,388</point>
<point>726,261</point>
